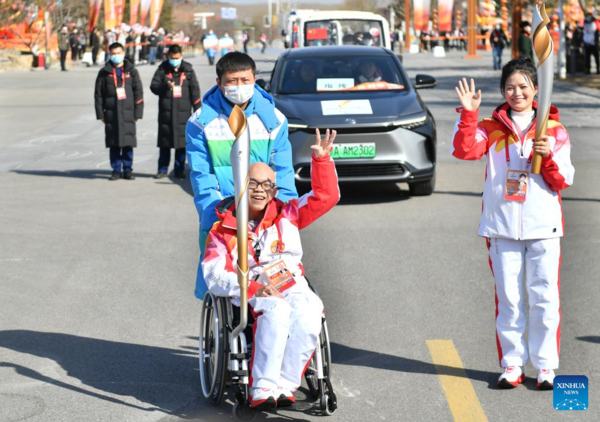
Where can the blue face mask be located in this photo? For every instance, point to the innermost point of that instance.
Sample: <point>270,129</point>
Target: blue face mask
<point>117,58</point>
<point>175,63</point>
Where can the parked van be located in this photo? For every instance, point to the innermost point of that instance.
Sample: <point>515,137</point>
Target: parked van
<point>307,28</point>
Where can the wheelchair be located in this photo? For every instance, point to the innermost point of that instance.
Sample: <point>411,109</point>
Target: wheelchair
<point>224,360</point>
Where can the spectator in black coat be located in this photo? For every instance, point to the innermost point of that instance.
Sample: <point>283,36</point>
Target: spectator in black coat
<point>178,91</point>
<point>119,98</point>
<point>95,44</point>
<point>498,40</point>
<point>74,44</point>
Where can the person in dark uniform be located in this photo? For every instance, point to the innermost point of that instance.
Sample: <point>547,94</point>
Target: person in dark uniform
<point>525,43</point>
<point>63,47</point>
<point>119,98</point>
<point>74,43</point>
<point>95,44</point>
<point>178,91</point>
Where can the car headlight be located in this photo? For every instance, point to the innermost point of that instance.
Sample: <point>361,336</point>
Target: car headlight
<point>411,123</point>
<point>294,127</point>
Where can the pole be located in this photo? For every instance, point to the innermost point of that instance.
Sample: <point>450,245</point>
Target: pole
<point>392,28</point>
<point>516,27</point>
<point>48,30</point>
<point>562,45</point>
<point>407,25</point>
<point>270,13</point>
<point>472,30</point>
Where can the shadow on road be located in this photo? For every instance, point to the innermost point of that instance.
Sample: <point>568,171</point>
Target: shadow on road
<point>590,339</point>
<point>78,174</point>
<point>345,355</point>
<point>166,379</point>
<point>158,376</point>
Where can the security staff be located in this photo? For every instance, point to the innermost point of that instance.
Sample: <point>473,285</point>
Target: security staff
<point>119,99</point>
<point>178,91</point>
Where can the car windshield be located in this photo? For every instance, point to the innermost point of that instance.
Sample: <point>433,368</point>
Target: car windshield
<point>343,32</point>
<point>340,73</point>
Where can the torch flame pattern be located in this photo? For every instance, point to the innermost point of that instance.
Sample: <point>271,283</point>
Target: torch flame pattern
<point>543,47</point>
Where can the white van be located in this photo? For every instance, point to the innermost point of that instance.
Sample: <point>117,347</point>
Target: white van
<point>307,28</point>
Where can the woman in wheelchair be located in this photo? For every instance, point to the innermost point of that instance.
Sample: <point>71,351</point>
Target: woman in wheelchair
<point>287,312</point>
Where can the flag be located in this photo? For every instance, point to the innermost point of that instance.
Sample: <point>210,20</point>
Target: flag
<point>94,14</point>
<point>110,17</point>
<point>145,9</point>
<point>155,13</point>
<point>119,9</point>
<point>134,10</point>
<point>445,15</point>
<point>421,12</point>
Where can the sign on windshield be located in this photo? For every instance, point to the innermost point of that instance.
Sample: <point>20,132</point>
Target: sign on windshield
<point>340,73</point>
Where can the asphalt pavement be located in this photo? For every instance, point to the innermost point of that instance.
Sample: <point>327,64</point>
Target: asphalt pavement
<point>98,321</point>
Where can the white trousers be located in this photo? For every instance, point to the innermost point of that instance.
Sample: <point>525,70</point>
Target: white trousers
<point>534,266</point>
<point>285,336</point>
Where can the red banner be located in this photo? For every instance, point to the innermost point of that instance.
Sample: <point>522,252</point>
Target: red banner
<point>316,34</point>
<point>155,13</point>
<point>134,10</point>
<point>145,9</point>
<point>94,14</point>
<point>119,9</point>
<point>110,17</point>
<point>421,12</point>
<point>445,15</point>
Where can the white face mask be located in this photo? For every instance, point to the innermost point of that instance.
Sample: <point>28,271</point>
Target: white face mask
<point>239,94</point>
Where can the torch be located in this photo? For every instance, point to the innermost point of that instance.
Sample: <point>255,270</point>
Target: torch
<point>240,161</point>
<point>543,47</point>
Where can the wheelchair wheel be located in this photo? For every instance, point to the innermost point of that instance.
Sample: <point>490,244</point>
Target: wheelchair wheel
<point>311,375</point>
<point>213,349</point>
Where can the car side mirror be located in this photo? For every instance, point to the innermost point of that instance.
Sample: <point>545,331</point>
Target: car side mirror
<point>425,82</point>
<point>263,84</point>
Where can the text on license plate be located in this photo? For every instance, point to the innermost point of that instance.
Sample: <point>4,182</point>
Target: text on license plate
<point>364,150</point>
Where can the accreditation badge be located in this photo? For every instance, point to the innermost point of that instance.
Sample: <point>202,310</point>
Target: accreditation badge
<point>279,276</point>
<point>516,185</point>
<point>121,94</point>
<point>177,93</point>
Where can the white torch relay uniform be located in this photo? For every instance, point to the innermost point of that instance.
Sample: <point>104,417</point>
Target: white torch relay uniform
<point>286,330</point>
<point>523,237</point>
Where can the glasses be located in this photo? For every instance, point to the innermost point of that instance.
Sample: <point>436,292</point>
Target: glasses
<point>267,185</point>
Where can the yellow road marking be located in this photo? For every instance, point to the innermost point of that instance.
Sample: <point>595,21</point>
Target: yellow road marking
<point>460,395</point>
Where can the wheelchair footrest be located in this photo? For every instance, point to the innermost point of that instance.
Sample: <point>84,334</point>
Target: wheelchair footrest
<point>239,373</point>
<point>238,356</point>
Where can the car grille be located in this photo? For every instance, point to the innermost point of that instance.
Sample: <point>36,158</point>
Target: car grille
<point>360,170</point>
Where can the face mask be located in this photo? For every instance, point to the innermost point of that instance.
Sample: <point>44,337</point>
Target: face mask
<point>239,94</point>
<point>175,63</point>
<point>117,59</point>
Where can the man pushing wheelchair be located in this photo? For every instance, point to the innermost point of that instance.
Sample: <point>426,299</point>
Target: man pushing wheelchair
<point>287,312</point>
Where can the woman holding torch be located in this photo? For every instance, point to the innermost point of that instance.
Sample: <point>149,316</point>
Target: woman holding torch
<point>522,215</point>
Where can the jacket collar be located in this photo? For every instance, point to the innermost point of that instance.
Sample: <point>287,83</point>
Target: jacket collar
<point>127,66</point>
<point>501,114</point>
<point>261,104</point>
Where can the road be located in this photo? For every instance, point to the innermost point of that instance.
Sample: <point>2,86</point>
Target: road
<point>97,316</point>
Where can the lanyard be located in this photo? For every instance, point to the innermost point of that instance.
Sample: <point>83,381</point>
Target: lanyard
<point>115,77</point>
<point>522,141</point>
<point>255,249</point>
<point>508,155</point>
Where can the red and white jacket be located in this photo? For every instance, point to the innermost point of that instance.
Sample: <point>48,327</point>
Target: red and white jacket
<point>276,237</point>
<point>540,216</point>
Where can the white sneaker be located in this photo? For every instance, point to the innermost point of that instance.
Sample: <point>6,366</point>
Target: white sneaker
<point>511,377</point>
<point>262,398</point>
<point>545,379</point>
<point>285,397</point>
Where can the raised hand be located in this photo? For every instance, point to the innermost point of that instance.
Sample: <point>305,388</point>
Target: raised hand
<point>322,147</point>
<point>469,99</point>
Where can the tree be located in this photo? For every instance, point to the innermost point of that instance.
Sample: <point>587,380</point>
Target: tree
<point>361,5</point>
<point>166,16</point>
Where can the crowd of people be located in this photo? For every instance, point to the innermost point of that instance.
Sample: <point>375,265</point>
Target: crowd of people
<point>142,45</point>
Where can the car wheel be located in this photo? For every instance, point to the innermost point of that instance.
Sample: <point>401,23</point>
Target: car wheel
<point>422,188</point>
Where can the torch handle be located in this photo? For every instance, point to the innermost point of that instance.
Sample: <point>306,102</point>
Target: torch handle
<point>536,163</point>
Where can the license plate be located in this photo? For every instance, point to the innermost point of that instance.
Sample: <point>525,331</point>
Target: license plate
<point>365,150</point>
